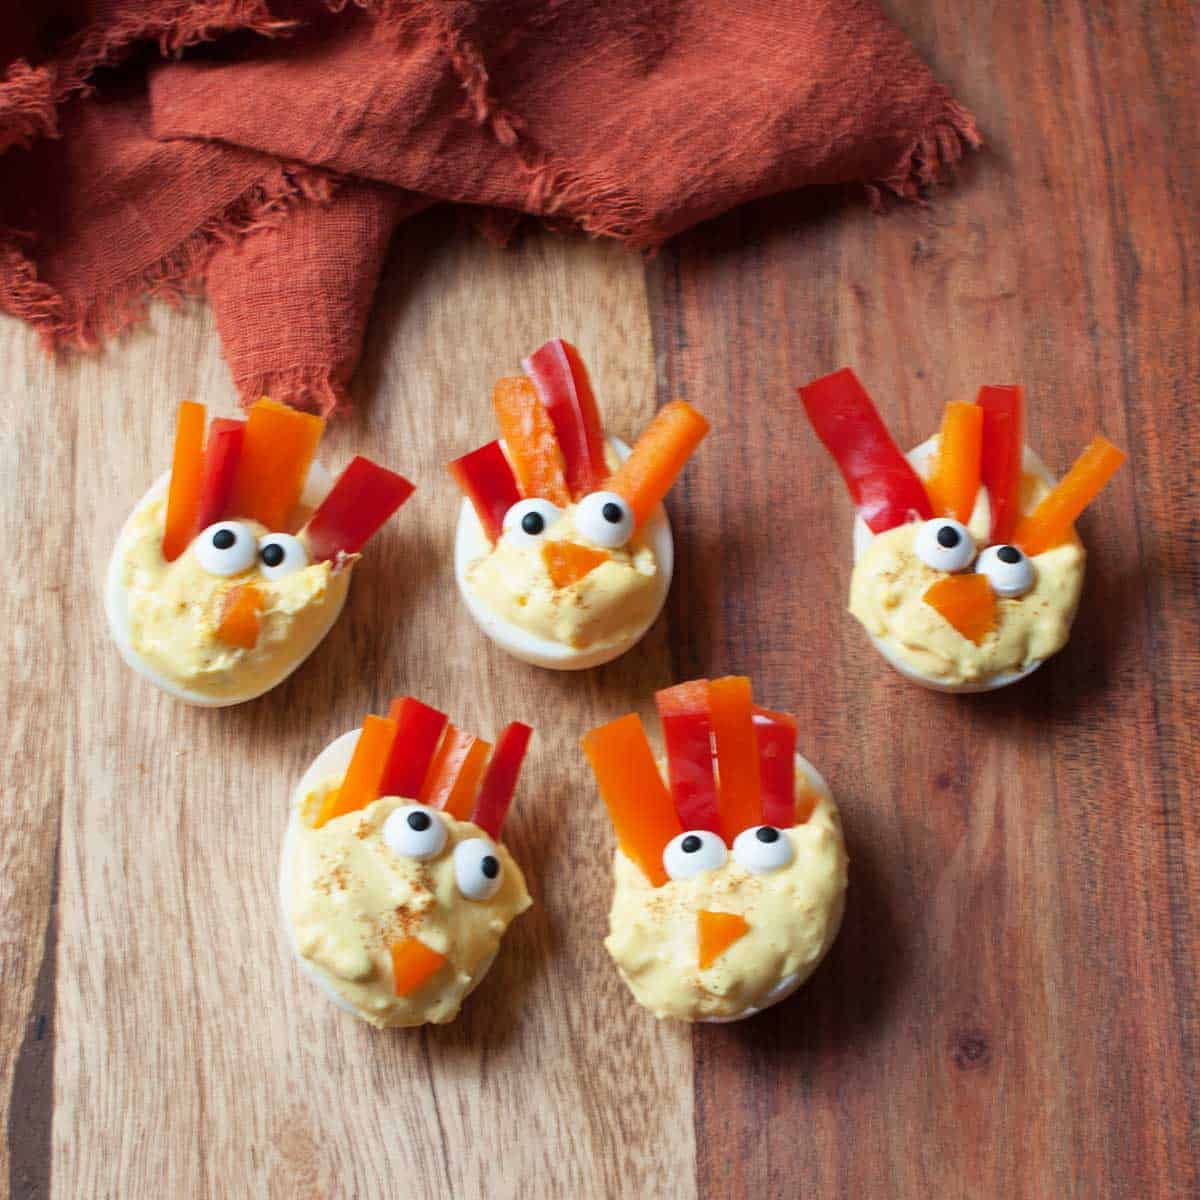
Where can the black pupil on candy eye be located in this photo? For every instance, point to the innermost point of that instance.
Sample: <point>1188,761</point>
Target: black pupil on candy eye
<point>489,866</point>
<point>1008,554</point>
<point>948,537</point>
<point>690,844</point>
<point>767,833</point>
<point>612,513</point>
<point>272,554</point>
<point>224,538</point>
<point>419,821</point>
<point>533,523</point>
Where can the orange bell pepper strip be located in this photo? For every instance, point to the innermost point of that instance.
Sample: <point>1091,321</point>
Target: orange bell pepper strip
<point>530,440</point>
<point>413,965</point>
<point>277,449</point>
<point>1050,523</point>
<point>967,602</point>
<point>662,451</point>
<point>954,483</point>
<point>361,785</point>
<point>187,473</point>
<point>567,563</point>
<point>453,777</point>
<point>717,932</point>
<point>638,802</point>
<point>739,790</point>
<point>562,382</point>
<point>239,616</point>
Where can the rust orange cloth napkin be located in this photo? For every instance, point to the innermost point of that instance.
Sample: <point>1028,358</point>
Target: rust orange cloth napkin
<point>269,147</point>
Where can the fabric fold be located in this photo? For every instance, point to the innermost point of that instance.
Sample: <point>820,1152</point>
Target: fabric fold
<point>275,156</point>
<point>277,341</point>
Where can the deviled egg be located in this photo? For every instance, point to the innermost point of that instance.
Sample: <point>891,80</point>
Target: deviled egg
<point>731,869</point>
<point>967,568</point>
<point>563,552</point>
<point>236,563</point>
<point>395,884</point>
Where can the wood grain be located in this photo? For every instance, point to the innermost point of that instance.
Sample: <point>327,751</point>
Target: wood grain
<point>190,1058</point>
<point>1011,1008</point>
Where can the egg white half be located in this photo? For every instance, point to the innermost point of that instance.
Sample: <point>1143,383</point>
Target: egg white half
<point>919,457</point>
<point>331,763</point>
<point>116,608</point>
<point>471,543</point>
<point>789,983</point>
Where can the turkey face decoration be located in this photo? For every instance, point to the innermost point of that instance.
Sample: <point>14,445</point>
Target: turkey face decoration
<point>396,884</point>
<point>968,571</point>
<point>564,553</point>
<point>236,563</point>
<point>730,871</point>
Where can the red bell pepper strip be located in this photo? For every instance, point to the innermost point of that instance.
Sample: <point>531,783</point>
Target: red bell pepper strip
<point>489,483</point>
<point>562,382</point>
<point>500,779</point>
<point>418,730</point>
<point>884,486</point>
<point>221,456</point>
<point>363,497</point>
<point>776,734</point>
<point>1001,458</point>
<point>687,732</point>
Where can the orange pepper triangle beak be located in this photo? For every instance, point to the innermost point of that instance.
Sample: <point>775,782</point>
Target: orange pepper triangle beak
<point>413,964</point>
<point>568,563</point>
<point>967,602</point>
<point>239,616</point>
<point>717,931</point>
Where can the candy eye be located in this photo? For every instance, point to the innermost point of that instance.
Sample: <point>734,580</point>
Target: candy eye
<point>226,548</point>
<point>692,852</point>
<point>606,519</point>
<point>280,554</point>
<point>945,545</point>
<point>477,869</point>
<point>1008,569</point>
<point>762,848</point>
<point>415,831</point>
<point>528,520</point>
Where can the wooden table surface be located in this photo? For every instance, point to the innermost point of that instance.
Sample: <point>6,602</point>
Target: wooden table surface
<point>1011,1007</point>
